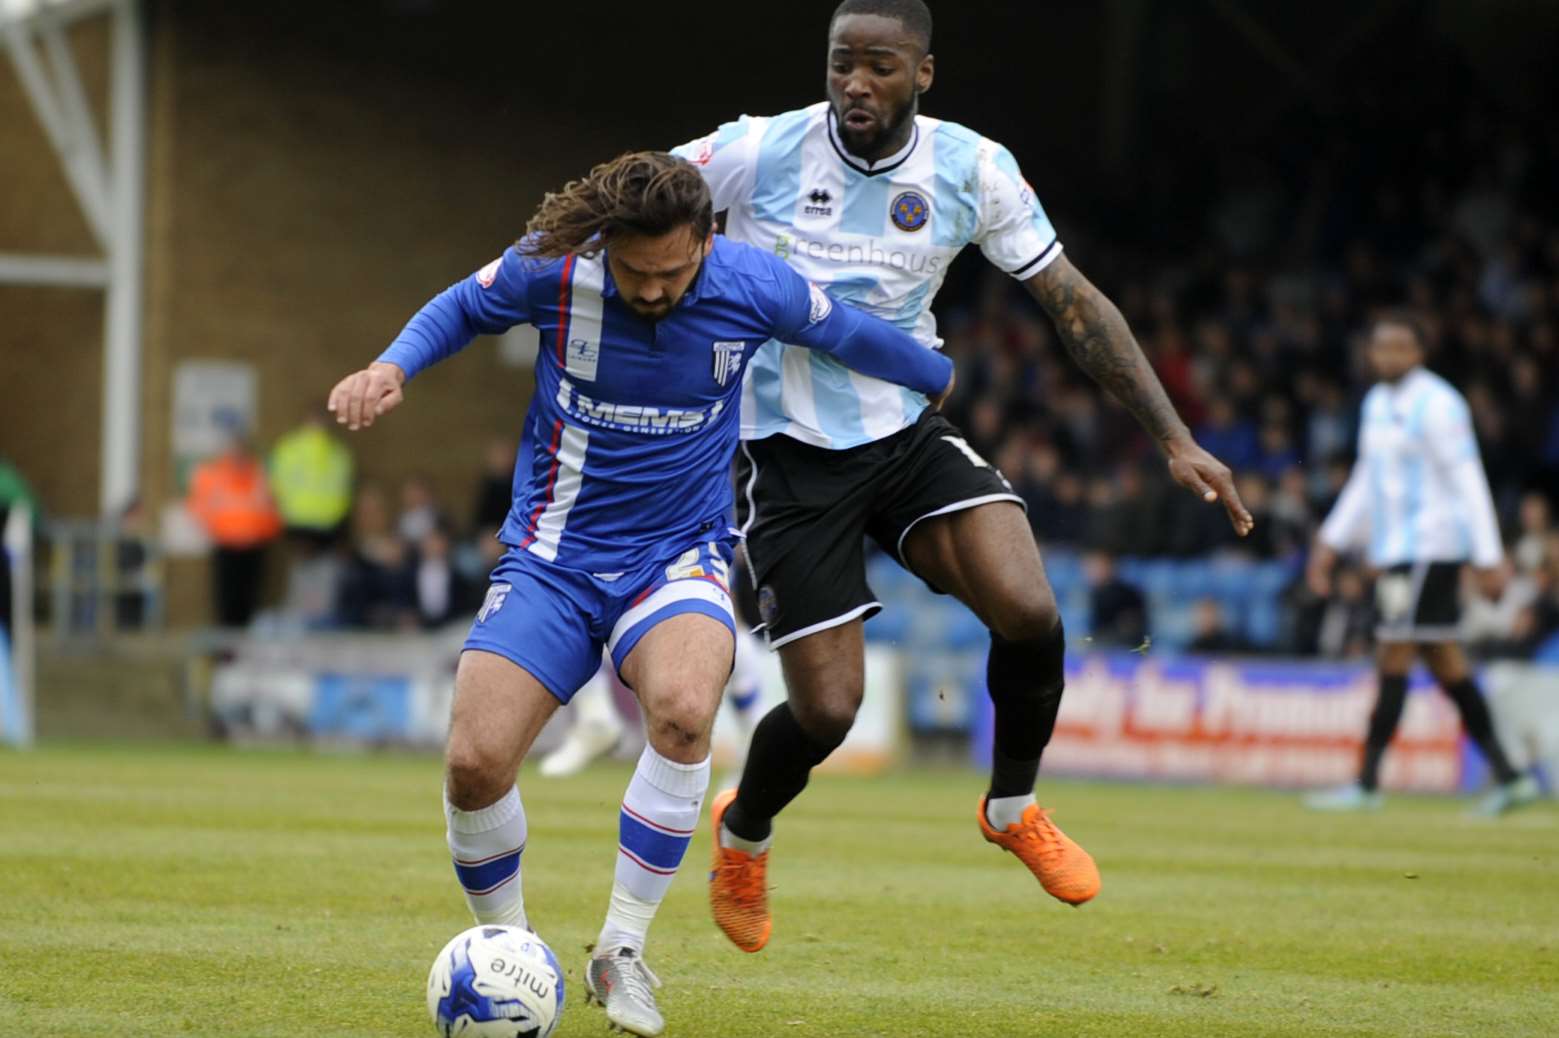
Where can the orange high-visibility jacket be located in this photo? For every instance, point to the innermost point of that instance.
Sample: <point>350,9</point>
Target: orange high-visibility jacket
<point>231,500</point>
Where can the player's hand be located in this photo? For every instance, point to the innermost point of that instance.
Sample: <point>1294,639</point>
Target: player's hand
<point>941,398</point>
<point>365,395</point>
<point>1209,479</point>
<point>1318,571</point>
<point>1491,580</point>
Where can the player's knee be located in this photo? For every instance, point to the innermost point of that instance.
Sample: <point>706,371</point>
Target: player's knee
<point>476,775</point>
<point>679,722</point>
<point>1027,615</point>
<point>827,719</point>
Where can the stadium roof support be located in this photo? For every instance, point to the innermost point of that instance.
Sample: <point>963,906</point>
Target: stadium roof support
<point>110,195</point>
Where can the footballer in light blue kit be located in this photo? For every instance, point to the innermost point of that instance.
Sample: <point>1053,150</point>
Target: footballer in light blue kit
<point>872,200</point>
<point>620,535</point>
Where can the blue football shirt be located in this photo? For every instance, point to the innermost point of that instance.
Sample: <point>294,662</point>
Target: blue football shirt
<point>633,422</point>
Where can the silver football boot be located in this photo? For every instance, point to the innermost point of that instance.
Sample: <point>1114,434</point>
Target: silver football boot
<point>624,985</point>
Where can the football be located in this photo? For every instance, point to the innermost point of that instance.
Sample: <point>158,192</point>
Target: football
<point>496,982</point>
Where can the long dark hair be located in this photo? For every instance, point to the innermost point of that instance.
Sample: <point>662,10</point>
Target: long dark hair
<point>641,192</point>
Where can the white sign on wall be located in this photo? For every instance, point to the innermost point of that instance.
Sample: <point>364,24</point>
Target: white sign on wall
<point>210,398</point>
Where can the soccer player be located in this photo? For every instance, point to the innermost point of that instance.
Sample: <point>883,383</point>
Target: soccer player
<point>867,197</point>
<point>1419,503</point>
<point>620,532</point>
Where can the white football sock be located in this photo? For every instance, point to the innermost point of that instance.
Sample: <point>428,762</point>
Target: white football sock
<point>486,846</point>
<point>736,843</point>
<point>1004,811</point>
<point>659,813</point>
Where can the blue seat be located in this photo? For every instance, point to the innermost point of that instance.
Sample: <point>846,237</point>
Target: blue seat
<point>891,626</point>
<point>1263,622</point>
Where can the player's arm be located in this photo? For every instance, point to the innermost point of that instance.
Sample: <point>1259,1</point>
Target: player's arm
<point>870,345</point>
<point>490,301</point>
<point>1345,528</point>
<point>1015,234</point>
<point>1096,336</point>
<point>1453,448</point>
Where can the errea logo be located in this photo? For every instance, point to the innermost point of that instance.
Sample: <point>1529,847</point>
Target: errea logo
<point>820,203</point>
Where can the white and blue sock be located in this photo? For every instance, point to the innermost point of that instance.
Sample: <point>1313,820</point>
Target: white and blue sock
<point>486,846</point>
<point>659,813</point>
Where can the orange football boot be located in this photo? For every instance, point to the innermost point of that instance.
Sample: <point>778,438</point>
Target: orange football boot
<point>738,887</point>
<point>1064,869</point>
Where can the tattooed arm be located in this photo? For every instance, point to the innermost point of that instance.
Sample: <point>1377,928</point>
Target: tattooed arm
<point>1096,336</point>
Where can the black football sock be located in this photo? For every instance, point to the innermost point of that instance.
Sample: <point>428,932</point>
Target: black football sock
<point>1480,727</point>
<point>1025,680</point>
<point>1383,725</point>
<point>779,761</point>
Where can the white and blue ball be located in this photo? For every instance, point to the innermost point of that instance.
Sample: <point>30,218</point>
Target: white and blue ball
<point>496,982</point>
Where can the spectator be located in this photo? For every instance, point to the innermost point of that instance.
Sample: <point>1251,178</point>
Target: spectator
<point>229,497</point>
<point>1535,520</point>
<point>1345,630</point>
<point>419,510</point>
<point>1211,636</point>
<point>14,490</point>
<point>1118,614</point>
<point>495,491</point>
<point>311,478</point>
<point>1231,438</point>
<point>441,593</point>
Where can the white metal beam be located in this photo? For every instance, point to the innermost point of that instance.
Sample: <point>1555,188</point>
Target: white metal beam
<point>66,271</point>
<point>24,11</point>
<point>121,443</point>
<point>83,141</point>
<point>56,125</point>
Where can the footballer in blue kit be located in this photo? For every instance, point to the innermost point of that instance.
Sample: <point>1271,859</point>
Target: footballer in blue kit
<point>620,533</point>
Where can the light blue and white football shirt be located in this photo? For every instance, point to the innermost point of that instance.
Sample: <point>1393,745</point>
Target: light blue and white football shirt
<point>877,235</point>
<point>1418,492</point>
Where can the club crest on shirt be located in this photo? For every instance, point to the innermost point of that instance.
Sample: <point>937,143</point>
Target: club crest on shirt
<point>488,274</point>
<point>728,361</point>
<point>910,211</point>
<point>821,306</point>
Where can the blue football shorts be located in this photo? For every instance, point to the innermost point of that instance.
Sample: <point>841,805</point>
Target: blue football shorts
<point>554,621</point>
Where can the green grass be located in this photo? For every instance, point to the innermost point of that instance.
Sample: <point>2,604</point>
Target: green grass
<point>216,892</point>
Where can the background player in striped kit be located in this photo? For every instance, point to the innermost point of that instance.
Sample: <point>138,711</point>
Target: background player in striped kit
<point>619,536</point>
<point>869,198</point>
<point>1419,504</point>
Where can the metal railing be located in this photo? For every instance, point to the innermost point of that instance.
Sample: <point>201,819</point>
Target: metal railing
<point>103,580</point>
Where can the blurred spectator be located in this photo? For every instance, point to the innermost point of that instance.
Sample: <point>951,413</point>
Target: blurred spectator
<point>495,491</point>
<point>1535,519</point>
<point>1347,620</point>
<point>442,594</point>
<point>1291,516</point>
<point>372,591</point>
<point>1118,614</point>
<point>14,490</point>
<point>1231,438</point>
<point>229,497</point>
<point>311,478</point>
<point>1210,634</point>
<point>419,510</point>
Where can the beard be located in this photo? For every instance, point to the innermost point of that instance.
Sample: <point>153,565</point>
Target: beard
<point>867,143</point>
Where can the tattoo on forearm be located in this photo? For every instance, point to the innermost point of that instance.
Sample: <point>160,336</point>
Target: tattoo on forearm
<point>1096,336</point>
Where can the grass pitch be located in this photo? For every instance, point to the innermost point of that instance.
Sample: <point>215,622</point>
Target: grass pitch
<point>214,892</point>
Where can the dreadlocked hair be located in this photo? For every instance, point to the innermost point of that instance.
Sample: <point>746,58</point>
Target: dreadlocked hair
<point>647,193</point>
